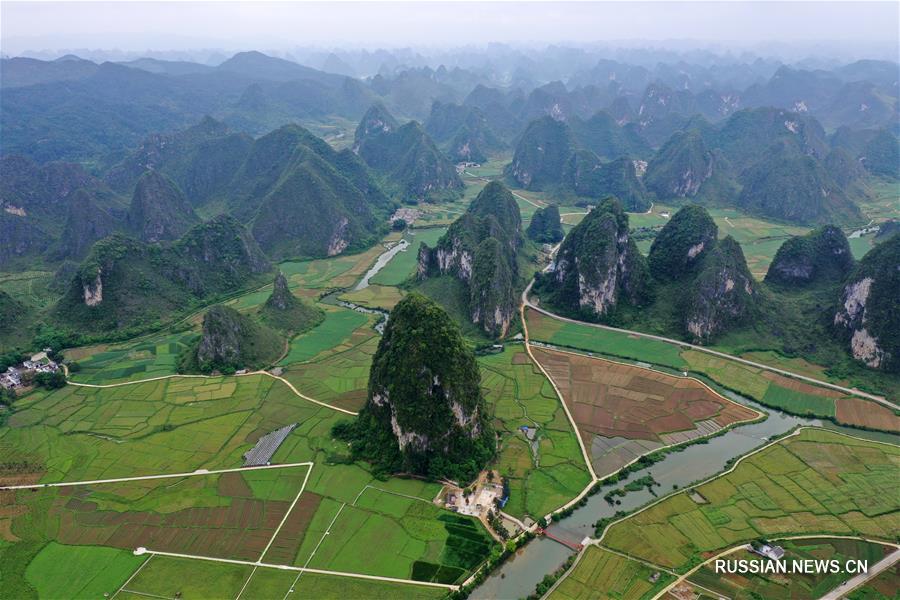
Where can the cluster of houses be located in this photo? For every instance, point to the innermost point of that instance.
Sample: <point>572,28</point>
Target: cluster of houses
<point>477,500</point>
<point>13,378</point>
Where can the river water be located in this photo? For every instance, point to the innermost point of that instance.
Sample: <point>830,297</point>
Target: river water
<point>382,260</point>
<point>519,575</point>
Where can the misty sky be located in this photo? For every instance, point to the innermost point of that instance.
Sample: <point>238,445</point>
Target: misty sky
<point>137,26</point>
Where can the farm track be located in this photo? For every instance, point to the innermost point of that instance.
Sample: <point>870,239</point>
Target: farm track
<point>850,391</point>
<point>833,595</point>
<point>176,375</point>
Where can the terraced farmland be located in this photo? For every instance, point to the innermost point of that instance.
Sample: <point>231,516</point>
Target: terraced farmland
<point>548,470</point>
<point>623,411</point>
<point>603,574</point>
<point>815,482</point>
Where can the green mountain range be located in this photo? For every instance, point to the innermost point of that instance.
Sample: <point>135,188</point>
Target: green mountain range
<point>126,284</point>
<point>548,157</point>
<point>406,156</point>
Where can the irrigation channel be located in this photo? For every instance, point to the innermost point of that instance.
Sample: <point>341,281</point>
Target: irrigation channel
<point>519,575</point>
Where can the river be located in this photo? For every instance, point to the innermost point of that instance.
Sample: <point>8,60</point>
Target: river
<point>382,261</point>
<point>519,575</point>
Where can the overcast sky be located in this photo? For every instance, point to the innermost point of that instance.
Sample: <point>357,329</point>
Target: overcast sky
<point>139,26</point>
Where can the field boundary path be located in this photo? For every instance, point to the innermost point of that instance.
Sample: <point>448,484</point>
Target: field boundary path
<point>196,473</point>
<point>232,561</point>
<point>851,584</point>
<point>851,391</point>
<point>834,594</point>
<point>598,540</point>
<point>190,376</point>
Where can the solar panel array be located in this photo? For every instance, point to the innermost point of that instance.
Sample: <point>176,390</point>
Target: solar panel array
<point>265,448</point>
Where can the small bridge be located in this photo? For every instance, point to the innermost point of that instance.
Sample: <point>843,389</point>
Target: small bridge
<point>566,543</point>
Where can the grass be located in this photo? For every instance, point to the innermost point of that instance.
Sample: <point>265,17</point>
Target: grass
<point>543,478</point>
<point>168,576</point>
<point>31,288</point>
<point>180,425</point>
<point>403,265</point>
<point>339,375</point>
<point>601,571</point>
<point>60,571</point>
<point>152,357</point>
<point>374,296</point>
<point>611,343</point>
<point>797,586</point>
<point>817,482</point>
<point>338,326</point>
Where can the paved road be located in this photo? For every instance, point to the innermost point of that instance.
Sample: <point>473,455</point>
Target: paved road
<point>850,585</point>
<point>849,391</point>
<point>197,473</point>
<point>893,557</point>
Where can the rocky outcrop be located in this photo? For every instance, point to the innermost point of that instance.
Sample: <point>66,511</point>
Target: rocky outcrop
<point>480,249</point>
<point>867,318</point>
<point>286,312</point>
<point>821,255</point>
<point>231,341</point>
<point>682,243</point>
<point>222,337</point>
<point>425,412</point>
<point>598,265</point>
<point>722,295</point>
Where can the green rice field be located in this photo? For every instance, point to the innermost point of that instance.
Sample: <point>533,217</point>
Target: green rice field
<point>154,357</point>
<point>548,474</point>
<point>403,265</point>
<point>616,576</point>
<point>338,326</point>
<point>611,343</point>
<point>815,482</point>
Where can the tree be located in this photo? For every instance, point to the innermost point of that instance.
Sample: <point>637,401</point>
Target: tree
<point>50,380</point>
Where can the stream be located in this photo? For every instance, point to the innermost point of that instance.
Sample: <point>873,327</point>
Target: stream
<point>381,262</point>
<point>519,575</point>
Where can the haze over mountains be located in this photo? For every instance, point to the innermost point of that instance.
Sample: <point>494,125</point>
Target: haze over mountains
<point>107,166</point>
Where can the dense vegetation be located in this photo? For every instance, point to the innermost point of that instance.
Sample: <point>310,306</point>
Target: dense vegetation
<point>545,226</point>
<point>481,249</point>
<point>598,266</point>
<point>126,284</point>
<point>821,255</point>
<point>286,312</point>
<point>406,156</point>
<point>425,413</point>
<point>231,341</point>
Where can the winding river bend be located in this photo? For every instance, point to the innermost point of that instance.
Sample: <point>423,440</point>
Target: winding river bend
<point>518,576</point>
